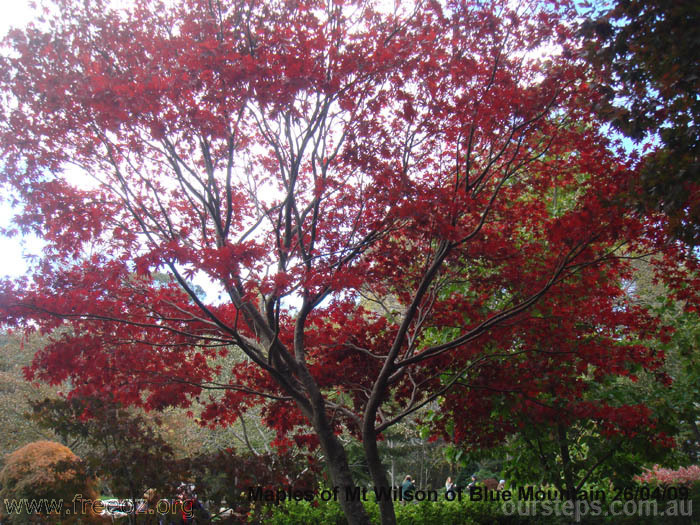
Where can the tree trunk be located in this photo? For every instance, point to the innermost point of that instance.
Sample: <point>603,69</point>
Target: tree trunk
<point>341,477</point>
<point>381,483</point>
<point>393,464</point>
<point>567,467</point>
<point>336,459</point>
<point>566,463</point>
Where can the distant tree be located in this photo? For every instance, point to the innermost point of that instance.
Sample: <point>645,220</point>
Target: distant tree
<point>122,447</point>
<point>648,56</point>
<point>678,404</point>
<point>16,393</point>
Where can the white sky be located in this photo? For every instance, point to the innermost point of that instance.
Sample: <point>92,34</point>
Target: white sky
<point>15,13</point>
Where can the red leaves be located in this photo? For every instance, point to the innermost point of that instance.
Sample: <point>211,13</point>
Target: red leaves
<point>360,186</point>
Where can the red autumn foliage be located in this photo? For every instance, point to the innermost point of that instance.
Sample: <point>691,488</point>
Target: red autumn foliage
<point>388,200</point>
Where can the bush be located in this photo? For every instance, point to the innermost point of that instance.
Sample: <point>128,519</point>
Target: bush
<point>294,512</point>
<point>467,512</point>
<point>686,476</point>
<point>41,472</point>
<point>429,512</point>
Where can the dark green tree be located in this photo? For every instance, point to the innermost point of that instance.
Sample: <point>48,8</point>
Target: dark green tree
<point>122,447</point>
<point>647,56</point>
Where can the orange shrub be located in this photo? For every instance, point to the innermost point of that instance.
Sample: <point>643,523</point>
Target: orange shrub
<point>40,472</point>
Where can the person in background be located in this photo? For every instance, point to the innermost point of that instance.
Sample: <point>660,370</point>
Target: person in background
<point>195,511</point>
<point>186,509</point>
<point>449,489</point>
<point>407,488</point>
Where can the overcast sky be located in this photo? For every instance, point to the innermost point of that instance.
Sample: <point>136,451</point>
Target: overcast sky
<point>15,13</point>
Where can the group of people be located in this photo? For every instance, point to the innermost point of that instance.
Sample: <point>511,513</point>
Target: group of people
<point>408,487</point>
<point>489,483</point>
<point>185,509</point>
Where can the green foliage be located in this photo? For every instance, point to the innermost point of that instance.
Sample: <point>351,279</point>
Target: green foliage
<point>682,400</point>
<point>306,512</point>
<point>468,512</point>
<point>452,512</point>
<point>678,403</point>
<point>406,448</point>
<point>224,478</point>
<point>428,512</point>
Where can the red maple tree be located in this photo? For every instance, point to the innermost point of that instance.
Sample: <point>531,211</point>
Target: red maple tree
<point>383,194</point>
